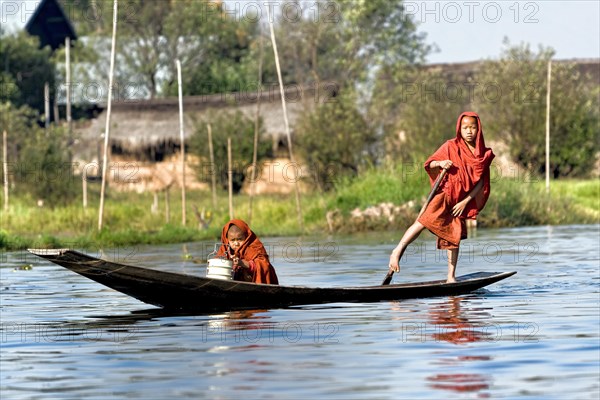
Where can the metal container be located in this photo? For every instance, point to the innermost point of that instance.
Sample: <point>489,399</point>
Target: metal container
<point>220,268</point>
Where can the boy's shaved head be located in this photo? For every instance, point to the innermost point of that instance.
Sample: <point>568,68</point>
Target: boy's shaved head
<point>235,230</point>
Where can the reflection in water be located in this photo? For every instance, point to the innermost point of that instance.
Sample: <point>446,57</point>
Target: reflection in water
<point>246,325</point>
<point>460,383</point>
<point>512,341</point>
<point>451,324</point>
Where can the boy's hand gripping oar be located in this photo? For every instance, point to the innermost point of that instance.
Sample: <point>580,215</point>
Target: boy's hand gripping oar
<point>436,184</point>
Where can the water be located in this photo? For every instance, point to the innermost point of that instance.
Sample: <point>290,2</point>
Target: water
<point>534,335</point>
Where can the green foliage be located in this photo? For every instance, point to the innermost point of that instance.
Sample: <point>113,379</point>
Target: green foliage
<point>17,120</point>
<point>88,76</point>
<point>215,54</point>
<point>416,111</point>
<point>344,41</point>
<point>4,239</point>
<point>90,16</point>
<point>209,42</point>
<point>340,42</point>
<point>515,110</point>
<point>515,202</point>
<point>586,193</point>
<point>336,141</point>
<point>9,91</point>
<point>574,124</point>
<point>43,167</point>
<point>26,68</point>
<point>512,203</point>
<point>240,129</point>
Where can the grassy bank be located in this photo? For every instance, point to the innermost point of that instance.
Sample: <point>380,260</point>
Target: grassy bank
<point>129,220</point>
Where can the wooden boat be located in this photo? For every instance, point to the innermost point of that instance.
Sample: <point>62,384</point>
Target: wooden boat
<point>188,292</point>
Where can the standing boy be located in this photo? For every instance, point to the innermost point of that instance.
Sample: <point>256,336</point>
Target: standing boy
<point>464,191</point>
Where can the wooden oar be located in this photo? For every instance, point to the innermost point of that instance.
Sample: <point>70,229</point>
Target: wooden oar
<point>436,184</point>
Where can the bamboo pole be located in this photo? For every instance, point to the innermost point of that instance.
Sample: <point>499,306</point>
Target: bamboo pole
<point>548,83</point>
<point>230,178</point>
<point>285,118</point>
<point>154,206</point>
<point>68,84</point>
<point>84,187</point>
<point>46,106</point>
<point>55,109</point>
<point>182,140</point>
<point>167,206</point>
<point>108,110</point>
<point>5,167</point>
<point>212,165</point>
<point>256,127</point>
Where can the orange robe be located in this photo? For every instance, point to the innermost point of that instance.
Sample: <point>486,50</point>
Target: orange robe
<point>251,251</point>
<point>467,170</point>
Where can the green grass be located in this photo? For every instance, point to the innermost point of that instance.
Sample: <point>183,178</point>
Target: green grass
<point>128,218</point>
<point>516,202</point>
<point>375,186</point>
<point>585,193</point>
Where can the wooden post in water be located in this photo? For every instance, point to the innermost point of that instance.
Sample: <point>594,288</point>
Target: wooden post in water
<point>230,177</point>
<point>285,118</point>
<point>213,175</point>
<point>548,126</point>
<point>5,168</point>
<point>182,140</point>
<point>108,110</point>
<point>256,128</point>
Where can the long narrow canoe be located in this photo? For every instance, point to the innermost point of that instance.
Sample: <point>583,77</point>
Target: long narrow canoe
<point>188,292</point>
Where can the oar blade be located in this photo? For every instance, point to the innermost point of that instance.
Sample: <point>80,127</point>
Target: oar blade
<point>388,278</point>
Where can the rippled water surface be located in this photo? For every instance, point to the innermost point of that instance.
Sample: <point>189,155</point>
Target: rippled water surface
<point>534,335</point>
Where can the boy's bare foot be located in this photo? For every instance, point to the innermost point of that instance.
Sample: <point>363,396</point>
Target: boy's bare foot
<point>451,280</point>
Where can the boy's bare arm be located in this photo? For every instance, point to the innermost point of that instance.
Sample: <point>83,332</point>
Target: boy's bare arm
<point>445,164</point>
<point>459,207</point>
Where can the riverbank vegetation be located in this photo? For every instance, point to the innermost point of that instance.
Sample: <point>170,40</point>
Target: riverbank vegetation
<point>378,112</point>
<point>128,218</point>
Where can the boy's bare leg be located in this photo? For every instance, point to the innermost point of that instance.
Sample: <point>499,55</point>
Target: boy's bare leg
<point>452,260</point>
<point>409,236</point>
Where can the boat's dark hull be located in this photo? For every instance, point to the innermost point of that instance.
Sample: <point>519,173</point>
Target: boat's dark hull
<point>188,292</point>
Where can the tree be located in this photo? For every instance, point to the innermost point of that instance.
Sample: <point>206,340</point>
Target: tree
<point>417,108</point>
<point>336,141</point>
<point>240,129</point>
<point>26,68</point>
<point>512,98</point>
<point>347,40</point>
<point>39,164</point>
<point>343,45</point>
<point>212,45</point>
<point>45,170</point>
<point>90,17</point>
<point>209,42</point>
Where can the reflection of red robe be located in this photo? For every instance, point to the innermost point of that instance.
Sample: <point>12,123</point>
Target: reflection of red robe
<point>467,170</point>
<point>251,251</point>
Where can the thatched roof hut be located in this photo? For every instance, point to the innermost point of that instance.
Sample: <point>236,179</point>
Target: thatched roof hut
<point>148,130</point>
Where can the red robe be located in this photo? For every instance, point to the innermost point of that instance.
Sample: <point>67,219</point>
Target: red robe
<point>467,170</point>
<point>253,252</point>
